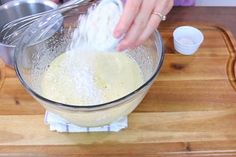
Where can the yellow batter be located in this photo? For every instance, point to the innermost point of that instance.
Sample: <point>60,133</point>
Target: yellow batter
<point>91,79</point>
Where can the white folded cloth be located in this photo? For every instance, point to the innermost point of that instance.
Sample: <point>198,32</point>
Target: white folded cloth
<point>58,124</point>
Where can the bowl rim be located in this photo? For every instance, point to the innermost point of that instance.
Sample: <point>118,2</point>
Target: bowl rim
<point>116,102</point>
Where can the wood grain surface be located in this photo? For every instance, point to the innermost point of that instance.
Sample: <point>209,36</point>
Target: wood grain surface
<point>189,111</point>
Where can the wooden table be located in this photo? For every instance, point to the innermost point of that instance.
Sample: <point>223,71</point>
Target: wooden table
<point>189,111</point>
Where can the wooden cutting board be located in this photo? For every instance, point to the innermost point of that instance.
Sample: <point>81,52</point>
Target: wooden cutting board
<point>189,111</point>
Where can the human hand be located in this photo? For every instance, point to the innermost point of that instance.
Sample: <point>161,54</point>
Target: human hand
<point>56,1</point>
<point>139,20</point>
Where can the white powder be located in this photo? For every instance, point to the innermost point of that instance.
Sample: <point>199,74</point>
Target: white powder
<point>95,30</point>
<point>186,41</point>
<point>83,80</point>
<point>94,33</point>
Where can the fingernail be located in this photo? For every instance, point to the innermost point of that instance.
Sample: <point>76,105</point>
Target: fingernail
<point>117,34</point>
<point>120,48</point>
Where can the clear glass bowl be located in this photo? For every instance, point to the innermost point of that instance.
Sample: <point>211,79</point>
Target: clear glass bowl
<point>48,37</point>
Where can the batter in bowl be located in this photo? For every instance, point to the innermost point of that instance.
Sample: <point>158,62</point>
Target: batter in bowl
<point>91,78</point>
<point>90,74</point>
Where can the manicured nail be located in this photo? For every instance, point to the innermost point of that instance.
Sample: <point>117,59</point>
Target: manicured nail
<point>117,34</point>
<point>120,48</point>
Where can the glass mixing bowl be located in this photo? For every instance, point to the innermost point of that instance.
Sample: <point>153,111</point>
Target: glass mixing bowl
<point>49,37</point>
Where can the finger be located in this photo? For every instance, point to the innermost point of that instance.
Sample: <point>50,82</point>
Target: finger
<point>130,11</point>
<point>151,27</point>
<point>138,26</point>
<point>154,21</point>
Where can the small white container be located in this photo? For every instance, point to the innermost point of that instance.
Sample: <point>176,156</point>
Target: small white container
<point>187,39</point>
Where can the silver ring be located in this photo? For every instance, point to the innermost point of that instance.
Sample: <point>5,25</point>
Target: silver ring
<point>162,17</point>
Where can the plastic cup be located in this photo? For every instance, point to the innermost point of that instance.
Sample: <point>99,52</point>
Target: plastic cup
<point>187,39</point>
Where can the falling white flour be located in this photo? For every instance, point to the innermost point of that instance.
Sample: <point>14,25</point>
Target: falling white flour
<point>94,33</point>
<point>95,29</point>
<point>90,72</point>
